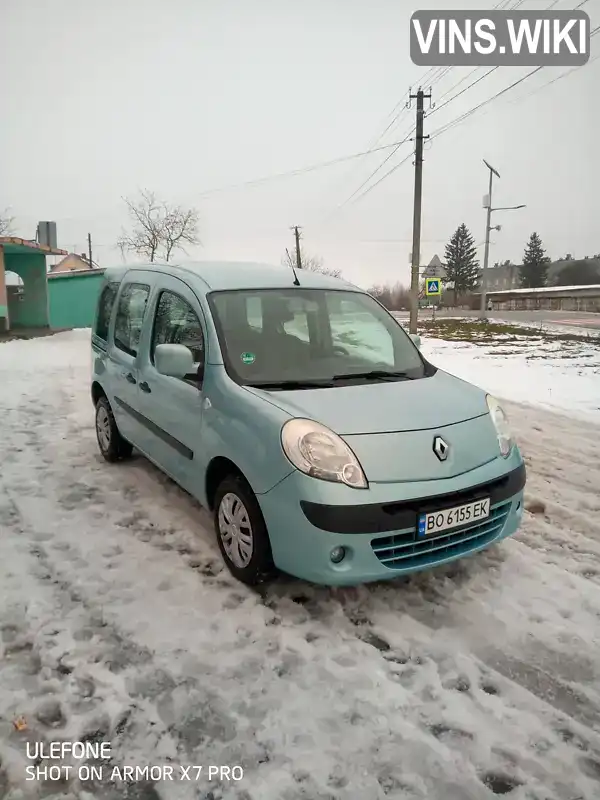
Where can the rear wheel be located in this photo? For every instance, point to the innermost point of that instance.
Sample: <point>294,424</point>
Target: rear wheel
<point>112,445</point>
<point>241,532</point>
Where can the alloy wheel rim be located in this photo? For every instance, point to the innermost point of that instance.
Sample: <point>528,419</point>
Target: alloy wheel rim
<point>103,428</point>
<point>235,530</point>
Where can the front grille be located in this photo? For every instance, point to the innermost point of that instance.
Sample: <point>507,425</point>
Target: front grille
<point>404,550</point>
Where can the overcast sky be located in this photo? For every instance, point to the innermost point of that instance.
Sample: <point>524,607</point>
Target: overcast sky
<point>186,96</point>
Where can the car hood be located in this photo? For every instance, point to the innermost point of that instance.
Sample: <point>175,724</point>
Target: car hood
<point>384,407</point>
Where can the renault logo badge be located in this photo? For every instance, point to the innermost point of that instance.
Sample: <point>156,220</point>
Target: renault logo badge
<point>441,448</point>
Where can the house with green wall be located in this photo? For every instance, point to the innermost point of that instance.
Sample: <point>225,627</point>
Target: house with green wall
<point>28,307</point>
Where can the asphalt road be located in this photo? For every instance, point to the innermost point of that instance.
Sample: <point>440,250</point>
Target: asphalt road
<point>577,319</point>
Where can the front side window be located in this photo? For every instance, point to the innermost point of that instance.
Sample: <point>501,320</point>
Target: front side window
<point>130,317</point>
<point>176,322</point>
<point>311,337</point>
<point>105,306</point>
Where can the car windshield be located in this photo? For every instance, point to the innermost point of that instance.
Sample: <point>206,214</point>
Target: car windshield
<point>303,338</point>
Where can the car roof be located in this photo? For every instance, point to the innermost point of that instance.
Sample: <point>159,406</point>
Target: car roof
<point>223,275</point>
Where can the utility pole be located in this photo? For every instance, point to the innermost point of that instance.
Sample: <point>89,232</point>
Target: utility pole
<point>296,230</point>
<point>90,250</point>
<point>487,203</point>
<point>486,252</point>
<point>416,241</point>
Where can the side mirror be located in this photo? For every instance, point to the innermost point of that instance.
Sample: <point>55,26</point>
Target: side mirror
<point>174,360</point>
<point>416,340</point>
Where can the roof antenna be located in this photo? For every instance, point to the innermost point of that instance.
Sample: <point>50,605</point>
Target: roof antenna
<point>291,263</point>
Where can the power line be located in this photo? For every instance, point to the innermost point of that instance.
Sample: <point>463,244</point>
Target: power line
<point>467,114</point>
<point>387,174</point>
<point>472,72</point>
<point>485,74</point>
<point>489,72</point>
<point>394,146</point>
<point>462,117</point>
<point>456,85</point>
<point>554,80</point>
<point>446,127</point>
<point>433,79</point>
<point>372,175</point>
<point>453,123</point>
<point>299,171</point>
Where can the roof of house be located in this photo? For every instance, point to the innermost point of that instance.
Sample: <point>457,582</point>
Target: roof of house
<point>543,289</point>
<point>73,257</point>
<point>223,275</point>
<point>73,273</point>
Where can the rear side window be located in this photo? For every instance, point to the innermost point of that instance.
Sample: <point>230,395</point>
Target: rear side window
<point>105,306</point>
<point>130,317</point>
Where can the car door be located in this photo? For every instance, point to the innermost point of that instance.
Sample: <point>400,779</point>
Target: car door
<point>172,407</point>
<point>123,348</point>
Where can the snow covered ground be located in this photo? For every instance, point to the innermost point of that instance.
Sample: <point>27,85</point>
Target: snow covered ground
<point>559,375</point>
<point>119,624</point>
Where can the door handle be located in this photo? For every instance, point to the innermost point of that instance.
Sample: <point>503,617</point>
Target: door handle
<point>145,388</point>
<point>130,378</point>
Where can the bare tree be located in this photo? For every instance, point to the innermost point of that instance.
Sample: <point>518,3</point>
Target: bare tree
<point>6,223</point>
<point>181,227</point>
<point>394,298</point>
<point>311,263</point>
<point>158,229</point>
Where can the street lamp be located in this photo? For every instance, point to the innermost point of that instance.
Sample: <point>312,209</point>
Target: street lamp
<point>487,203</point>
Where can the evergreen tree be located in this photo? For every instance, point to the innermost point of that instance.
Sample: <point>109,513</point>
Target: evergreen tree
<point>462,266</point>
<point>534,270</point>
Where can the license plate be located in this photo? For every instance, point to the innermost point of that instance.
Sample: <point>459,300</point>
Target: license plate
<point>448,518</point>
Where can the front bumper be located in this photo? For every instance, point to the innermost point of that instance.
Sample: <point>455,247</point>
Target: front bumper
<point>377,527</point>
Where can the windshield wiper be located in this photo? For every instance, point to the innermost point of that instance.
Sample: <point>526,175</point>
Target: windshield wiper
<point>290,384</point>
<point>375,374</point>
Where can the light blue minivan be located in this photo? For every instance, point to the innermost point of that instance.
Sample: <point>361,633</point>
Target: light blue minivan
<point>299,411</point>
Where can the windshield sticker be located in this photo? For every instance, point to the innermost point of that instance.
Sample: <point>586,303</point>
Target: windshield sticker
<point>248,358</point>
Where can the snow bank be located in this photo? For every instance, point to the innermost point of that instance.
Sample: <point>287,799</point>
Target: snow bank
<point>555,375</point>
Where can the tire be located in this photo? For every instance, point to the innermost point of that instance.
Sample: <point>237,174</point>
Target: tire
<point>253,562</point>
<point>112,445</point>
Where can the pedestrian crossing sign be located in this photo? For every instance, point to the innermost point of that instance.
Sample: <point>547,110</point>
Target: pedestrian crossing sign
<point>432,286</point>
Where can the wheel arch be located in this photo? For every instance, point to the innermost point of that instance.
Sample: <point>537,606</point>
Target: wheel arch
<point>97,392</point>
<point>218,469</point>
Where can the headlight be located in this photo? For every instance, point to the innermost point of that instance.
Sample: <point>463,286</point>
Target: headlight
<point>317,451</point>
<point>500,421</point>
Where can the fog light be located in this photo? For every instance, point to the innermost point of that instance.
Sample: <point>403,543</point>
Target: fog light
<point>337,554</point>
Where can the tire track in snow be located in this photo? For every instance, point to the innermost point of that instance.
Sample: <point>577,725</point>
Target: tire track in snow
<point>75,655</point>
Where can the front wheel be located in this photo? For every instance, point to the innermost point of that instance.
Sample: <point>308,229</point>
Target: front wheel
<point>241,532</point>
<point>112,445</point>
